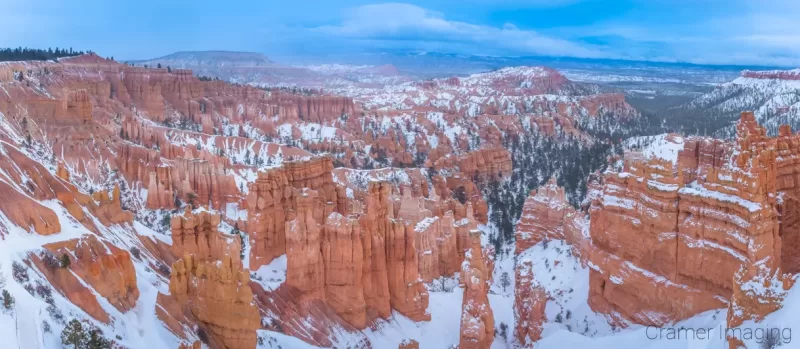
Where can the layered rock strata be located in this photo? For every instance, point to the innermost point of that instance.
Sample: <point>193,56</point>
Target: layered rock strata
<point>669,239</point>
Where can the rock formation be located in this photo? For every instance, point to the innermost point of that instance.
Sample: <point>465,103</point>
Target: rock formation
<point>408,344</point>
<point>197,234</point>
<point>216,294</point>
<point>88,144</point>
<point>701,232</point>
<point>477,319</point>
<point>343,253</point>
<point>271,201</point>
<point>305,268</point>
<point>95,266</point>
<point>530,301</point>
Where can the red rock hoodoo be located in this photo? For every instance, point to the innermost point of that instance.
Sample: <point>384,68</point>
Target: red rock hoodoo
<point>216,294</point>
<point>477,319</point>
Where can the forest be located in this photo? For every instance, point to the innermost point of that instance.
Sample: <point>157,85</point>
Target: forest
<point>33,54</point>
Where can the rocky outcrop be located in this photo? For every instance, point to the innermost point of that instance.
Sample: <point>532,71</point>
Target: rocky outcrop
<point>486,163</point>
<point>23,212</point>
<point>194,345</point>
<point>546,215</point>
<point>343,254</point>
<point>391,272</point>
<point>483,164</point>
<point>95,266</point>
<point>542,216</point>
<point>477,318</point>
<point>216,294</point>
<point>408,344</point>
<point>267,202</point>
<point>196,233</point>
<point>198,181</point>
<point>305,267</point>
<point>271,201</point>
<point>287,310</point>
<point>530,301</point>
<point>314,108</point>
<point>407,293</point>
<point>374,225</point>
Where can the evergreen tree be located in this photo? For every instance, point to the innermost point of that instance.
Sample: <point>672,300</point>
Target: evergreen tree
<point>97,341</point>
<point>29,54</point>
<point>8,300</point>
<point>505,280</point>
<point>73,335</point>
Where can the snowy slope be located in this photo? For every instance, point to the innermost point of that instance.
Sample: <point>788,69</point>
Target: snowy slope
<point>774,96</point>
<point>663,146</point>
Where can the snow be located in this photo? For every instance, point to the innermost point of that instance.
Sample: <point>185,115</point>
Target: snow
<point>441,332</point>
<point>566,282</point>
<point>610,200</point>
<point>663,146</point>
<point>425,223</point>
<point>138,328</point>
<point>272,275</point>
<point>784,320</point>
<point>233,212</point>
<point>309,131</point>
<point>697,190</point>
<point>360,179</point>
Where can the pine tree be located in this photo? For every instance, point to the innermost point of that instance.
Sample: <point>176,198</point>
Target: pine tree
<point>505,280</point>
<point>97,341</point>
<point>65,262</point>
<point>8,300</point>
<point>73,335</point>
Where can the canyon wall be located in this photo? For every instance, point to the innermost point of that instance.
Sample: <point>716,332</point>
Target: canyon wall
<point>668,239</point>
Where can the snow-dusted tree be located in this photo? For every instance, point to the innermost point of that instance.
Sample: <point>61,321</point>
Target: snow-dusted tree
<point>73,335</point>
<point>505,280</point>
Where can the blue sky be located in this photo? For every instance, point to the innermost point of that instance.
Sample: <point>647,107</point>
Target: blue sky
<point>701,31</point>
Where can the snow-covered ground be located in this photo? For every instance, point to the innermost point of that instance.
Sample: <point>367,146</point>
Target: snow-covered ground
<point>567,285</point>
<point>24,325</point>
<point>661,146</point>
<point>272,275</point>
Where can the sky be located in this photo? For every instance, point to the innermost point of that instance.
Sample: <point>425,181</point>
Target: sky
<point>745,32</point>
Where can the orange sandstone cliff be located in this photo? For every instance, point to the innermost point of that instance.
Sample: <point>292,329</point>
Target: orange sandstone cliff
<point>668,239</point>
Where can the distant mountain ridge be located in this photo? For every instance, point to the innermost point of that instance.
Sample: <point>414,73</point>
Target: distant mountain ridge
<point>210,57</point>
<point>773,95</point>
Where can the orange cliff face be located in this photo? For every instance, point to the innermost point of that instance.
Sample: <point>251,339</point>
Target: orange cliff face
<point>719,205</point>
<point>215,293</point>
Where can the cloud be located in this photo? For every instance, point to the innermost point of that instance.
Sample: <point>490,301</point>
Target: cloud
<point>740,32</point>
<point>400,22</point>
